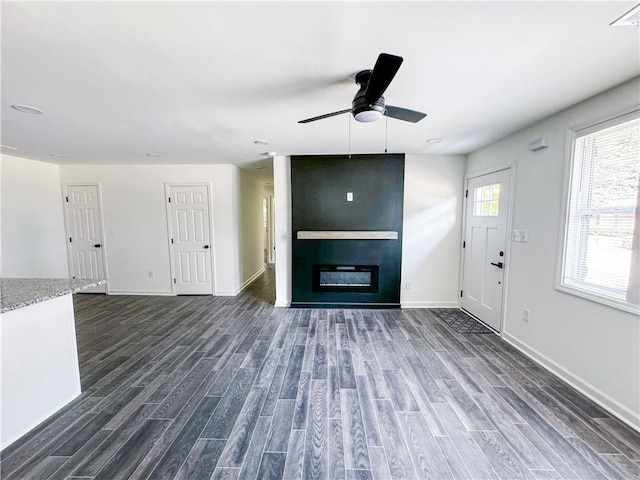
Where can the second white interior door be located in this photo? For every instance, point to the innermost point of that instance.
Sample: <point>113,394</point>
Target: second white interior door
<point>190,239</point>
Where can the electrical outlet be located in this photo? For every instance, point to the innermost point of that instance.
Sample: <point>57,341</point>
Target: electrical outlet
<point>150,274</point>
<point>526,314</point>
<point>407,285</point>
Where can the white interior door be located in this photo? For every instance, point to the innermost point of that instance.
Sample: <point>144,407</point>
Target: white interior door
<point>84,228</point>
<point>270,243</point>
<point>487,207</point>
<point>190,239</point>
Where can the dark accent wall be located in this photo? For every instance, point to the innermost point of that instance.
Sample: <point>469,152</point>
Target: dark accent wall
<point>319,186</point>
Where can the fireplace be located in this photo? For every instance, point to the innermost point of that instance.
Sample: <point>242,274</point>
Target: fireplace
<point>345,278</point>
<point>347,230</point>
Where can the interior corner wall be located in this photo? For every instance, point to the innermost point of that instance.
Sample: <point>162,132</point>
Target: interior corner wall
<point>594,347</point>
<point>282,226</point>
<point>252,232</point>
<point>135,220</point>
<point>433,198</point>
<point>33,232</point>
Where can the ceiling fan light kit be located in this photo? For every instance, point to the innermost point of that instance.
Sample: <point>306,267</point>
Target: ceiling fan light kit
<point>368,104</point>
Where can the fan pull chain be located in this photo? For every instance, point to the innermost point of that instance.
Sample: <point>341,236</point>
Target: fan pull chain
<point>349,136</point>
<point>386,133</point>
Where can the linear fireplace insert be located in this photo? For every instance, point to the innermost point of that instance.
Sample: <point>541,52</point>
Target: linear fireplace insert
<point>345,278</point>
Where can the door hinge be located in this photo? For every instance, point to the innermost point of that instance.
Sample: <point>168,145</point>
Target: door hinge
<point>67,199</point>
<point>174,280</point>
<point>466,193</point>
<point>460,293</point>
<point>169,199</point>
<point>172,241</point>
<point>70,241</point>
<point>464,244</point>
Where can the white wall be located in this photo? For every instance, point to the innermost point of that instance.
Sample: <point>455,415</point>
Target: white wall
<point>251,227</point>
<point>136,233</point>
<point>282,221</point>
<point>431,230</point>
<point>594,347</point>
<point>433,197</point>
<point>33,233</point>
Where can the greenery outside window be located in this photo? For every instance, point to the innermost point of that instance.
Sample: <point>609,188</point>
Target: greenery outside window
<point>600,258</point>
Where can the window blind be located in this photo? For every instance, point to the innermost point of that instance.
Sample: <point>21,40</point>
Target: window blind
<point>599,255</point>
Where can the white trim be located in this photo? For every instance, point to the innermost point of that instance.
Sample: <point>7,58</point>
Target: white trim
<point>142,292</point>
<point>611,405</point>
<point>572,133</point>
<point>486,171</point>
<point>280,304</point>
<point>252,278</point>
<point>594,297</point>
<point>429,304</point>
<point>233,293</point>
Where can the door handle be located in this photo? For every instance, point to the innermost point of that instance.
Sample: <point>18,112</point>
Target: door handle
<point>97,245</point>
<point>499,264</point>
<point>206,246</point>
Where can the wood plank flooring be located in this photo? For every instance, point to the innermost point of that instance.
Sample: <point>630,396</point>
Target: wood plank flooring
<point>231,388</point>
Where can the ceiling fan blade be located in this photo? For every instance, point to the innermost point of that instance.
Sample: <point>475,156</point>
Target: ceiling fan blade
<point>404,114</point>
<point>326,115</point>
<point>383,72</point>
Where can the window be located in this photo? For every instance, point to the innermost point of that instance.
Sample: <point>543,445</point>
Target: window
<point>486,200</point>
<point>600,248</point>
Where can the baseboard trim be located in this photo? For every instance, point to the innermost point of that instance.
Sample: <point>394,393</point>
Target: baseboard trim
<point>252,278</point>
<point>233,293</point>
<point>282,303</point>
<point>623,413</point>
<point>429,305</point>
<point>140,292</point>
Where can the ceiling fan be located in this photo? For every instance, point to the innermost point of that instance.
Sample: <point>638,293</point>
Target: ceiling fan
<point>368,105</point>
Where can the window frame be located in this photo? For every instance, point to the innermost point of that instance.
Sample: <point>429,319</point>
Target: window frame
<point>591,294</point>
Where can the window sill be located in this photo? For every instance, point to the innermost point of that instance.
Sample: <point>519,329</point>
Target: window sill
<point>594,297</point>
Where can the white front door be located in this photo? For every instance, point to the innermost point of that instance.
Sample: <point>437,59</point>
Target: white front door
<point>84,229</point>
<point>487,207</point>
<point>189,221</point>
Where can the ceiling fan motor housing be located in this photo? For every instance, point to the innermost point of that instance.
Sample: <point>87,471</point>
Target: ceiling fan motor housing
<point>361,109</point>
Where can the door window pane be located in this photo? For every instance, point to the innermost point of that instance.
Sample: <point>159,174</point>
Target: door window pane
<point>486,200</point>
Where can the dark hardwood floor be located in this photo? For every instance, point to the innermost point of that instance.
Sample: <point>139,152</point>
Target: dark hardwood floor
<point>226,388</point>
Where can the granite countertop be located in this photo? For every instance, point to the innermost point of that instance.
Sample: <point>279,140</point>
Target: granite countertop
<point>21,292</point>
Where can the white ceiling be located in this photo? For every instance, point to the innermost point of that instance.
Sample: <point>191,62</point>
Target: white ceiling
<point>199,82</point>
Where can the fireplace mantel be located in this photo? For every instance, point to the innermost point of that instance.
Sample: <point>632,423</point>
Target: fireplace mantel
<point>346,235</point>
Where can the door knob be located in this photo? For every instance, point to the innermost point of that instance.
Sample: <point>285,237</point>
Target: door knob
<point>97,245</point>
<point>206,246</point>
<point>499,264</point>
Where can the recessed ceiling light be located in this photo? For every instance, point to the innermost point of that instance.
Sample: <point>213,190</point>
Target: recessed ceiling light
<point>261,142</point>
<point>629,19</point>
<point>434,140</point>
<point>8,147</point>
<point>58,155</point>
<point>260,168</point>
<point>270,154</point>
<point>27,109</point>
<point>153,154</point>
